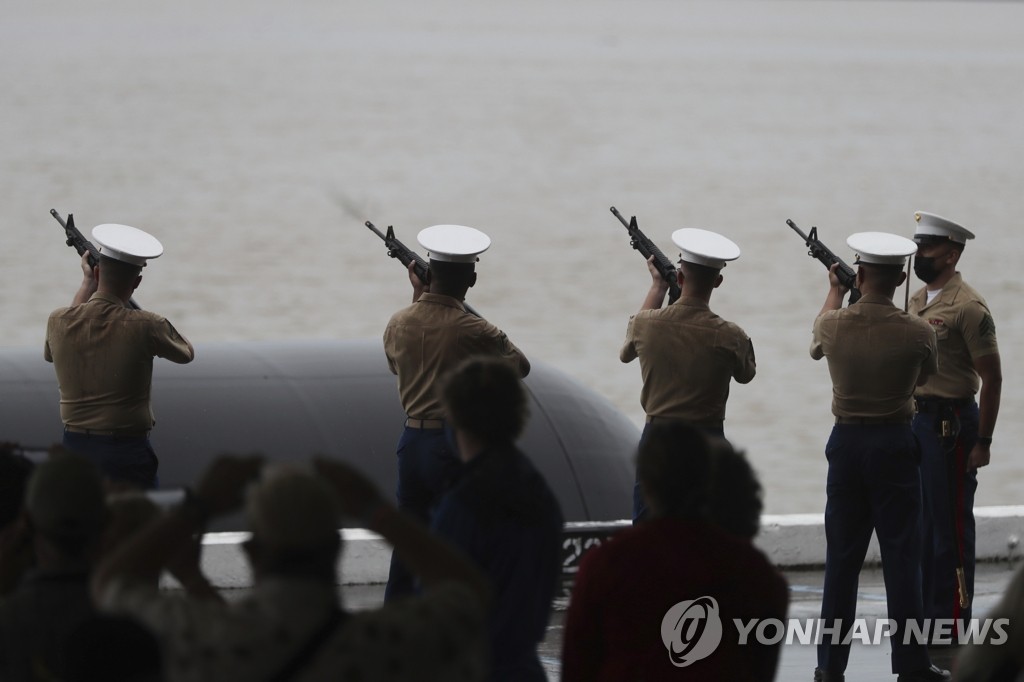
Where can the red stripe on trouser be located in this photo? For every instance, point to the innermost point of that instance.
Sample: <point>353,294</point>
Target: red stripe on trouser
<point>959,468</point>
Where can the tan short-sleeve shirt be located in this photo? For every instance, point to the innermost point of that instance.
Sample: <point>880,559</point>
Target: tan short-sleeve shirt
<point>688,355</point>
<point>965,331</point>
<point>427,339</point>
<point>876,354</point>
<point>103,353</point>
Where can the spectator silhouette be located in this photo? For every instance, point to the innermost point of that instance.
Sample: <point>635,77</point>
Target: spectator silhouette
<point>705,503</point>
<point>15,547</point>
<point>501,512</point>
<point>291,626</point>
<point>63,519</point>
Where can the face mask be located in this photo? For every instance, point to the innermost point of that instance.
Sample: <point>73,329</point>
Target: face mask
<point>925,269</point>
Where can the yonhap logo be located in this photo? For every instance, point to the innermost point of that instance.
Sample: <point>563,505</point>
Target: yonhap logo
<point>691,630</point>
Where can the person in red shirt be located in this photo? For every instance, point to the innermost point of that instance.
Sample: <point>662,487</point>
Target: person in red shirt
<point>699,571</point>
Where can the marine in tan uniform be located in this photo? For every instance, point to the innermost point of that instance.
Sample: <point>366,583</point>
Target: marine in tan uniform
<point>102,352</point>
<point>688,354</point>
<point>955,431</point>
<point>876,355</point>
<point>422,343</point>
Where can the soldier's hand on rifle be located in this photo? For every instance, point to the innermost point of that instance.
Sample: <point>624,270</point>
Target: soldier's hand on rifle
<point>419,287</point>
<point>657,281</point>
<point>833,280</point>
<point>655,297</point>
<point>836,291</point>
<point>89,272</point>
<point>90,281</point>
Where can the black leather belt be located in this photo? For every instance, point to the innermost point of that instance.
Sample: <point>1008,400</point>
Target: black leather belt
<point>696,425</point>
<point>934,405</point>
<point>117,433</point>
<point>872,420</point>
<point>424,423</point>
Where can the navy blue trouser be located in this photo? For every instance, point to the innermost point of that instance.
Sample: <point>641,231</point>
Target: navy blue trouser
<point>119,458</point>
<point>427,467</point>
<point>639,506</point>
<point>873,485</point>
<point>947,490</point>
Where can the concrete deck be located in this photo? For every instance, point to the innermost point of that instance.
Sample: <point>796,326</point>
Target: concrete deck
<point>791,542</point>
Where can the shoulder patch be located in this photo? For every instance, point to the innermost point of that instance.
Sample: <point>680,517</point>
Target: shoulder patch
<point>987,327</point>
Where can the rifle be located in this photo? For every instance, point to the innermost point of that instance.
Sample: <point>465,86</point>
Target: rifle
<point>405,255</point>
<point>816,249</point>
<point>639,241</point>
<point>83,245</point>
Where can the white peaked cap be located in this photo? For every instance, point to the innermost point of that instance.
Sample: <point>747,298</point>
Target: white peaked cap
<point>931,225</point>
<point>881,248</point>
<point>453,243</point>
<point>126,243</point>
<point>704,247</point>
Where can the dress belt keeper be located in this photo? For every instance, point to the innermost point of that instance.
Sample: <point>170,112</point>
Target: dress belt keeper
<point>872,420</point>
<point>424,423</point>
<point>933,405</point>
<point>119,433</point>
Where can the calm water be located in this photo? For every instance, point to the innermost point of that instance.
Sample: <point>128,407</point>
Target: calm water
<point>254,140</point>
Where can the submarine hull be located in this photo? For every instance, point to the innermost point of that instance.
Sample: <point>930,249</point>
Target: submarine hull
<point>291,400</point>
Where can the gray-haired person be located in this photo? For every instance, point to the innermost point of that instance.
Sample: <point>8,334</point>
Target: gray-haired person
<point>291,626</point>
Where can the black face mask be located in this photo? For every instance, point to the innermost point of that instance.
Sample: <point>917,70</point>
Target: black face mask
<point>924,268</point>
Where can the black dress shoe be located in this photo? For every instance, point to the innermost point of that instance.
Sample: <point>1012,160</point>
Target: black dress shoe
<point>929,674</point>
<point>825,676</point>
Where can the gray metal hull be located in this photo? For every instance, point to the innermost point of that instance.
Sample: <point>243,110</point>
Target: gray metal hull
<point>290,400</point>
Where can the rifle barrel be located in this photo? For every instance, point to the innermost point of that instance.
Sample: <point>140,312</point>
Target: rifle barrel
<point>618,215</point>
<point>797,230</point>
<point>375,230</point>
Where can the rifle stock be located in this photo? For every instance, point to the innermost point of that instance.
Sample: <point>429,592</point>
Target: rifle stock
<point>640,241</point>
<point>816,249</point>
<point>77,240</point>
<point>405,255</point>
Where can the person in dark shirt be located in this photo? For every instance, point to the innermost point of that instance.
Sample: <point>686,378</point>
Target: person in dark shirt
<point>501,512</point>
